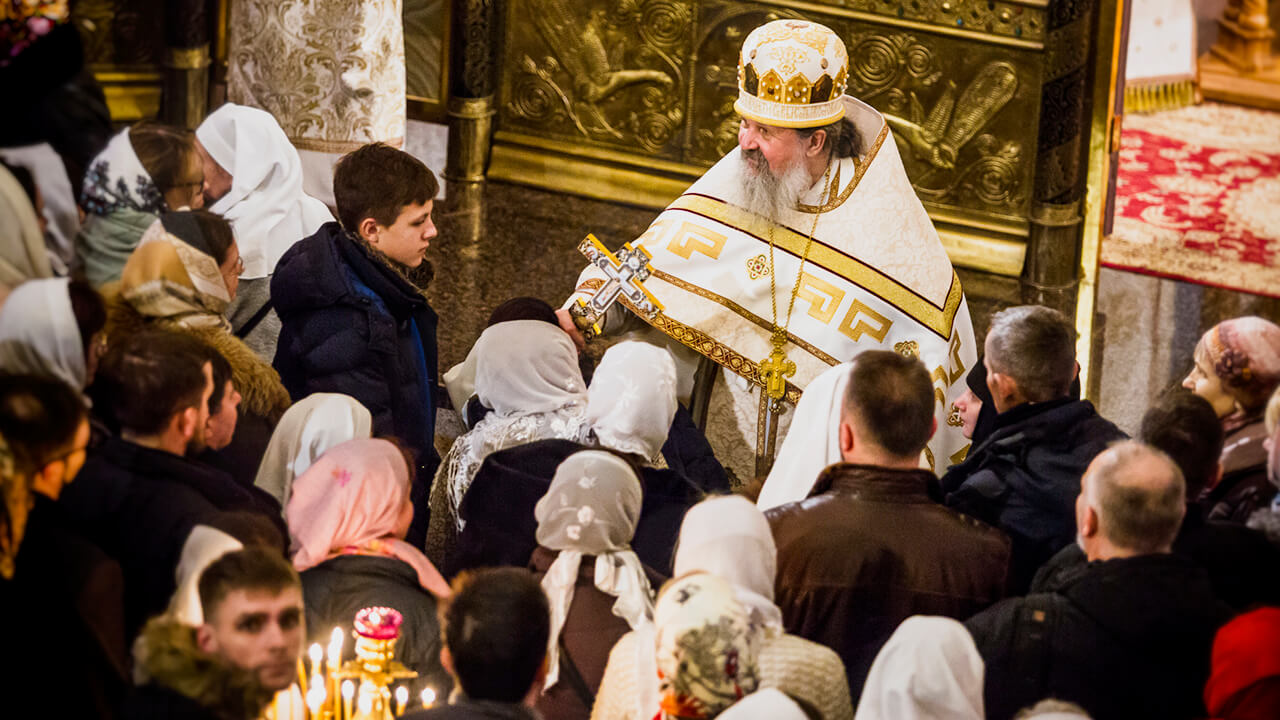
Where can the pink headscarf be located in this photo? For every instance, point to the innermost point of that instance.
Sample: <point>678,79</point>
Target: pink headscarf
<point>349,502</point>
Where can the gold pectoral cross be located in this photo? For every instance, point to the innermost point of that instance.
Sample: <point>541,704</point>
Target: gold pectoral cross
<point>777,368</point>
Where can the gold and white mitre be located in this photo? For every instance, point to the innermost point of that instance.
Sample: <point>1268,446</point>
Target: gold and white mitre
<point>876,276</point>
<point>792,73</point>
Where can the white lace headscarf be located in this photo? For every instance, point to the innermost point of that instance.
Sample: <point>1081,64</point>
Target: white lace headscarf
<point>203,546</point>
<point>632,399</point>
<point>729,537</point>
<point>266,205</point>
<point>812,443</point>
<point>592,508</point>
<point>39,334</point>
<point>527,371</point>
<point>305,431</point>
<point>929,669</point>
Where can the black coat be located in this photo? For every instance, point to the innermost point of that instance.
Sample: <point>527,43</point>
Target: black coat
<point>157,702</point>
<point>336,589</point>
<point>476,710</point>
<point>498,508</point>
<point>351,324</point>
<point>1024,478</point>
<point>1126,638</point>
<point>79,591</point>
<point>1243,567</point>
<point>139,505</point>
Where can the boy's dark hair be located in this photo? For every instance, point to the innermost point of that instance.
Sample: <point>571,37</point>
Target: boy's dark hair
<point>1185,427</point>
<point>891,398</point>
<point>166,152</point>
<point>147,378</point>
<point>221,371</point>
<point>89,309</point>
<point>379,181</point>
<point>251,568</point>
<point>496,626</point>
<point>39,417</point>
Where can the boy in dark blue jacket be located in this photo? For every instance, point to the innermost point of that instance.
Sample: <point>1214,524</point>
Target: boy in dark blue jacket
<point>351,321</point>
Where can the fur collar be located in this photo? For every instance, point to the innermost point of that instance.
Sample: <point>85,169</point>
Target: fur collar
<point>262,393</point>
<point>166,654</point>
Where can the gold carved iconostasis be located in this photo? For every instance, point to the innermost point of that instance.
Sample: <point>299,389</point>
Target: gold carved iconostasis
<point>125,45</point>
<point>632,99</point>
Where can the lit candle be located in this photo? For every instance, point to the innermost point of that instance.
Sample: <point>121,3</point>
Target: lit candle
<point>402,698</point>
<point>348,690</point>
<point>428,698</point>
<point>365,705</point>
<point>335,648</point>
<point>315,698</point>
<point>317,653</point>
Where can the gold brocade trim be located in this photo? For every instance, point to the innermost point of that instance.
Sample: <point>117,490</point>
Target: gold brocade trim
<point>338,146</point>
<point>835,200</point>
<point>1140,97</point>
<point>746,314</point>
<point>938,319</point>
<point>700,342</point>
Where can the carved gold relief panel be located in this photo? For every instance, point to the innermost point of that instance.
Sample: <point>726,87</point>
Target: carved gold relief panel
<point>609,72</point>
<point>656,80</point>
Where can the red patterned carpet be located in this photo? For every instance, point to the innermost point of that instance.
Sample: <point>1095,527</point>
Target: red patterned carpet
<point>1198,198</point>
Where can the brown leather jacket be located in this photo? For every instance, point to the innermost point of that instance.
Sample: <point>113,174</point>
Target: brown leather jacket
<point>870,548</point>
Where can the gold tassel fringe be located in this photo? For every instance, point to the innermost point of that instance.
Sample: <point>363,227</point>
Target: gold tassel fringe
<point>1139,98</point>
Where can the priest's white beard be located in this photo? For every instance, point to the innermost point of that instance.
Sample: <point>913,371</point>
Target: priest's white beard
<point>768,194</point>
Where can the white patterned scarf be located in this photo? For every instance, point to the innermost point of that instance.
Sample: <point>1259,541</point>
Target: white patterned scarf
<point>632,398</point>
<point>592,508</point>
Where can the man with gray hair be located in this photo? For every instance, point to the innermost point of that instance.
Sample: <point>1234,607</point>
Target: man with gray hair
<point>1126,636</point>
<point>1024,477</point>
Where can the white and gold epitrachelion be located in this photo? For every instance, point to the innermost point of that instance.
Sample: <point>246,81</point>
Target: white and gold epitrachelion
<point>876,277</point>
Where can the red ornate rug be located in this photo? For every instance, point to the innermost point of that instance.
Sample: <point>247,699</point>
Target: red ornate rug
<point>1198,198</point>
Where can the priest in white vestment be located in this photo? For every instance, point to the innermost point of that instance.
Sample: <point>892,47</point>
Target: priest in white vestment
<point>808,234</point>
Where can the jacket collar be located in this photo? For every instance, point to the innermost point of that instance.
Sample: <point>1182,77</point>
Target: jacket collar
<point>166,655</point>
<point>215,485</point>
<point>873,483</point>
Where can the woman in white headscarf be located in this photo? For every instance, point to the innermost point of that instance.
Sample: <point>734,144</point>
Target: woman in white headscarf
<point>928,670</point>
<point>812,443</point>
<point>527,372</point>
<point>23,253</point>
<point>767,703</point>
<point>590,511</point>
<point>306,430</point>
<point>253,178</point>
<point>728,536</point>
<point>42,333</point>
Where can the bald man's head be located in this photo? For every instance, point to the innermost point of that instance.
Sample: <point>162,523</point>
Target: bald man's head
<point>1132,499</point>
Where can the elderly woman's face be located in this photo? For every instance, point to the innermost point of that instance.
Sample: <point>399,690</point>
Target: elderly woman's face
<point>1205,382</point>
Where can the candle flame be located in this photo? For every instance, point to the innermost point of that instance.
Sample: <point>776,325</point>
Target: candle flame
<point>428,697</point>
<point>315,698</point>
<point>335,646</point>
<point>366,704</point>
<point>348,689</point>
<point>402,695</point>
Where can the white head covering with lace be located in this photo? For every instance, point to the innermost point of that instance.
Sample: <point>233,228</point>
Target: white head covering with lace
<point>39,334</point>
<point>729,537</point>
<point>928,670</point>
<point>266,205</point>
<point>812,443</point>
<point>592,508</point>
<point>306,430</point>
<point>527,371</point>
<point>632,398</point>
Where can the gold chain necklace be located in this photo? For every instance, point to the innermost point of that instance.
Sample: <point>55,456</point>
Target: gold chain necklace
<point>777,368</point>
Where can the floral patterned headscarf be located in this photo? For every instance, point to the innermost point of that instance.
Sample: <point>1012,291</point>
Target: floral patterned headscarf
<point>705,648</point>
<point>1245,355</point>
<point>116,179</point>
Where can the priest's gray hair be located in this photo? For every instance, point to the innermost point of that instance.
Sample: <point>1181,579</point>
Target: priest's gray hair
<point>1139,495</point>
<point>1036,346</point>
<point>843,137</point>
